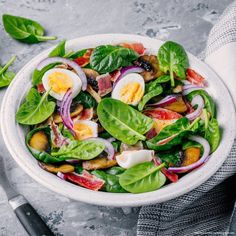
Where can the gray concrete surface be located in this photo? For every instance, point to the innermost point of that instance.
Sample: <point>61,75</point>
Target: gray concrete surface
<point>184,21</point>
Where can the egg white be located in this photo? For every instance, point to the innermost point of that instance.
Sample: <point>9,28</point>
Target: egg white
<point>76,81</point>
<point>128,159</point>
<point>131,77</point>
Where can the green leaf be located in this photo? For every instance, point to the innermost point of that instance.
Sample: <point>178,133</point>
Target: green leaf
<point>23,29</point>
<point>144,177</point>
<point>173,59</point>
<point>115,170</point>
<point>122,121</point>
<point>107,58</point>
<point>153,93</point>
<point>6,76</point>
<point>209,103</point>
<point>174,134</point>
<point>111,181</point>
<point>38,74</point>
<point>86,100</point>
<point>77,54</point>
<point>82,150</point>
<point>153,84</point>
<point>170,157</point>
<point>212,134</point>
<point>59,50</point>
<point>35,109</point>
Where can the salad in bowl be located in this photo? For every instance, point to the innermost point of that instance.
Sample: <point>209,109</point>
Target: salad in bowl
<point>118,118</point>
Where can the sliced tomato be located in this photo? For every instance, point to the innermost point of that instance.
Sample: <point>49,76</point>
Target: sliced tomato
<point>137,47</point>
<point>40,88</point>
<point>85,180</point>
<point>84,60</point>
<point>162,114</point>
<point>194,78</point>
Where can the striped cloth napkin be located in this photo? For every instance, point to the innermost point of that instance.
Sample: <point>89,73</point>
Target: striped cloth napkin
<point>207,209</point>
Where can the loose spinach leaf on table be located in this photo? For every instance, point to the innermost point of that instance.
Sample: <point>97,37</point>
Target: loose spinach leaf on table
<point>23,29</point>
<point>6,76</point>
<point>107,58</point>
<point>35,109</point>
<point>122,121</point>
<point>82,150</point>
<point>111,181</point>
<point>149,95</point>
<point>173,59</point>
<point>209,103</point>
<point>173,134</point>
<point>212,134</point>
<point>144,177</point>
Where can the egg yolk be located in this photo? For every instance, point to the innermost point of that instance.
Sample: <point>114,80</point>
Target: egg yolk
<point>131,92</point>
<point>59,82</point>
<point>83,131</point>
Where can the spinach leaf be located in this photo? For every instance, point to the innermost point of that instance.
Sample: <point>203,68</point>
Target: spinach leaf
<point>24,29</point>
<point>86,100</point>
<point>111,181</point>
<point>209,103</point>
<point>190,144</point>
<point>107,58</point>
<point>122,121</point>
<point>82,150</point>
<point>173,58</point>
<point>153,84</point>
<point>170,157</point>
<point>59,50</point>
<point>77,54</point>
<point>173,134</point>
<point>115,170</point>
<point>144,177</point>
<point>212,134</point>
<point>153,93</point>
<point>6,76</point>
<point>35,109</point>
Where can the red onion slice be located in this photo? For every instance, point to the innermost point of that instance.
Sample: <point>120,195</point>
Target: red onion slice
<point>109,149</point>
<point>188,88</point>
<point>202,160</point>
<point>126,70</point>
<point>70,63</point>
<point>170,175</point>
<point>197,100</point>
<point>65,110</point>
<point>165,101</point>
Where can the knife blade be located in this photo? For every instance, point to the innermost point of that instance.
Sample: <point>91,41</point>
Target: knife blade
<point>27,215</point>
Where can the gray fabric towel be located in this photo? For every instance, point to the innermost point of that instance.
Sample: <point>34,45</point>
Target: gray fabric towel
<point>207,209</point>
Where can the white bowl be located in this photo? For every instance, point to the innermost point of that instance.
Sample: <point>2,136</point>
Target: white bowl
<point>14,134</point>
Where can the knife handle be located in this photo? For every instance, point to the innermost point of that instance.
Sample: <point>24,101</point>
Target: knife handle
<point>29,218</point>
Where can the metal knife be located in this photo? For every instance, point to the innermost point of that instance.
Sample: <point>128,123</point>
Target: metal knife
<point>27,215</point>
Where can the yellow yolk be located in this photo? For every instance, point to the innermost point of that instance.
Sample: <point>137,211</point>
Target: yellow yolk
<point>131,92</point>
<point>59,82</point>
<point>83,131</point>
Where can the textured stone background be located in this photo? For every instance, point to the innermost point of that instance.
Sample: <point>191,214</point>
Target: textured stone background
<point>184,21</point>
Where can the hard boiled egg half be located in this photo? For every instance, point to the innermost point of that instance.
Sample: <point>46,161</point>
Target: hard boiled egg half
<point>128,159</point>
<point>129,89</point>
<point>58,81</point>
<point>85,129</point>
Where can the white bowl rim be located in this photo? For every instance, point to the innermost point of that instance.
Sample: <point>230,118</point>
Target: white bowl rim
<point>185,185</point>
